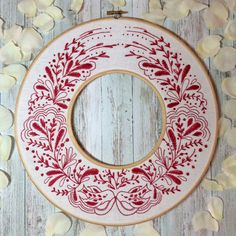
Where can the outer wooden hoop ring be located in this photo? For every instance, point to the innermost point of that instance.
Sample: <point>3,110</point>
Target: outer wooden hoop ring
<point>216,115</point>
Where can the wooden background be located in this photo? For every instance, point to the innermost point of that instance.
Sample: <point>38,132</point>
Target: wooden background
<point>118,118</point>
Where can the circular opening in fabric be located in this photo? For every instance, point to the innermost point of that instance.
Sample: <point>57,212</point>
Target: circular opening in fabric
<point>118,119</point>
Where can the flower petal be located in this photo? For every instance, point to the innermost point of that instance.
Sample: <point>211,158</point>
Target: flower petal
<point>43,4</point>
<point>4,180</point>
<point>6,119</point>
<point>229,166</point>
<point>230,109</point>
<point>58,223</point>
<point>230,137</point>
<point>231,5</point>
<point>30,40</point>
<point>226,181</point>
<point>44,22</point>
<point>26,56</point>
<point>118,3</point>
<point>154,4</point>
<point>204,220</point>
<point>5,147</point>
<point>195,5</point>
<point>55,12</point>
<point>216,206</point>
<point>145,229</point>
<point>211,185</point>
<point>155,16</point>
<point>228,86</point>
<point>76,5</point>
<point>27,7</point>
<point>15,70</point>
<point>224,125</point>
<point>91,230</point>
<point>6,82</point>
<point>230,30</point>
<point>12,34</point>
<point>10,53</point>
<point>225,60</point>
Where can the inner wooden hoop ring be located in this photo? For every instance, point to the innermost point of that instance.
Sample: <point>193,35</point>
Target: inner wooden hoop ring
<point>83,151</point>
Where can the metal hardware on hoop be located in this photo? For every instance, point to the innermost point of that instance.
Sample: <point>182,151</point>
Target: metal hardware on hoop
<point>116,14</point>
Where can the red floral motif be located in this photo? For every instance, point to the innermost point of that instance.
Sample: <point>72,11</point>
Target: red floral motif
<point>99,190</point>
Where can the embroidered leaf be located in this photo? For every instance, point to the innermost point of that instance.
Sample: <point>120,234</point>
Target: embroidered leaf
<point>185,72</point>
<point>49,73</point>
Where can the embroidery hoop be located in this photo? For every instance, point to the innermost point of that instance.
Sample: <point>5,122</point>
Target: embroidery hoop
<point>113,218</point>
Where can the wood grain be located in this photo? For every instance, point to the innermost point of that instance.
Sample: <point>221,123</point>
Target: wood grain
<point>122,113</point>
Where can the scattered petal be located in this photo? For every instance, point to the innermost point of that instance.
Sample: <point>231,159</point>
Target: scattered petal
<point>230,109</point>
<point>1,27</point>
<point>12,34</point>
<point>226,181</point>
<point>6,82</point>
<point>5,147</point>
<point>4,180</point>
<point>44,22</point>
<point>27,7</point>
<point>216,206</point>
<point>76,5</point>
<point>155,16</point>
<point>231,5</point>
<point>26,56</point>
<point>6,119</point>
<point>230,30</point>
<point>154,4</point>
<point>30,40</point>
<point>216,15</point>
<point>195,5</point>
<point>229,86</point>
<point>211,185</point>
<point>145,229</point>
<point>10,53</point>
<point>204,220</point>
<point>118,3</point>
<point>224,125</point>
<point>230,137</point>
<point>58,223</point>
<point>55,12</point>
<point>229,166</point>
<point>91,230</point>
<point>208,46</point>
<point>43,4</point>
<point>225,60</point>
<point>15,70</point>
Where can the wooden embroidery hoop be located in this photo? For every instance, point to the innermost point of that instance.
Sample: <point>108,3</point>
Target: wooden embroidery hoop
<point>115,167</point>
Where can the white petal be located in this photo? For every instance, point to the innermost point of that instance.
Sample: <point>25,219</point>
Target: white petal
<point>27,7</point>
<point>226,181</point>
<point>30,40</point>
<point>176,9</point>
<point>76,5</point>
<point>225,60</point>
<point>231,5</point>
<point>229,166</point>
<point>224,125</point>
<point>145,229</point>
<point>15,70</point>
<point>209,46</point>
<point>55,12</point>
<point>204,220</point>
<point>44,22</point>
<point>1,27</point>
<point>194,5</point>
<point>155,16</point>
<point>92,230</point>
<point>43,4</point>
<point>58,223</point>
<point>216,15</point>
<point>154,4</point>
<point>6,82</point>
<point>12,34</point>
<point>5,147</point>
<point>118,3</point>
<point>230,137</point>
<point>211,185</point>
<point>230,109</point>
<point>6,119</point>
<point>4,180</point>
<point>216,206</point>
<point>10,53</point>
<point>230,30</point>
<point>26,56</point>
<point>229,86</point>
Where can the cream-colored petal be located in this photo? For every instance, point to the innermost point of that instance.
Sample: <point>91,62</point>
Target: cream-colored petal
<point>76,5</point>
<point>216,207</point>
<point>4,180</point>
<point>231,5</point>
<point>118,3</point>
<point>225,60</point>
<point>145,229</point>
<point>209,46</point>
<point>27,7</point>
<point>230,137</point>
<point>195,5</point>
<point>228,86</point>
<point>155,16</point>
<point>154,4</point>
<point>230,109</point>
<point>15,70</point>
<point>216,15</point>
<point>30,40</point>
<point>6,82</point>
<point>12,34</point>
<point>44,22</point>
<point>6,118</point>
<point>26,56</point>
<point>10,53</point>
<point>226,181</point>
<point>212,185</point>
<point>230,30</point>
<point>55,12</point>
<point>57,223</point>
<point>92,230</point>
<point>43,4</point>
<point>5,147</point>
<point>204,220</point>
<point>175,10</point>
<point>1,28</point>
<point>229,166</point>
<point>224,125</point>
